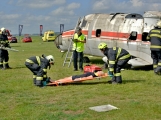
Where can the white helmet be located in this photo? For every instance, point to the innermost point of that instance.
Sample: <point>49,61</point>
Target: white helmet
<point>159,23</point>
<point>50,58</point>
<point>3,29</point>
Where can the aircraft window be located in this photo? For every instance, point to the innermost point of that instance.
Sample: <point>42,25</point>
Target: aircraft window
<point>133,35</point>
<point>144,35</point>
<point>133,16</point>
<point>98,32</point>
<point>84,23</point>
<point>136,16</point>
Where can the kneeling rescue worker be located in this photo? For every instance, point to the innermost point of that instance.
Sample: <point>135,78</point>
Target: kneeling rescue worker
<point>117,58</point>
<point>38,66</point>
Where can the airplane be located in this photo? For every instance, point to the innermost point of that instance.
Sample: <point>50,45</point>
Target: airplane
<point>125,30</point>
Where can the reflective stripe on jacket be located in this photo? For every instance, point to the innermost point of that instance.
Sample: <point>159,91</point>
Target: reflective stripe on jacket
<point>154,37</point>
<point>4,40</point>
<point>40,61</point>
<point>115,54</point>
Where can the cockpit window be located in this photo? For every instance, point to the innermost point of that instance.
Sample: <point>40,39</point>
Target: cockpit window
<point>83,23</point>
<point>135,16</point>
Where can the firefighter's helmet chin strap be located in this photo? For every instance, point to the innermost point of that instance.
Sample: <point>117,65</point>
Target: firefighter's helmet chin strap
<point>49,66</point>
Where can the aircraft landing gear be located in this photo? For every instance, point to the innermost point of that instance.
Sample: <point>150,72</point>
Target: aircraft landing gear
<point>86,59</point>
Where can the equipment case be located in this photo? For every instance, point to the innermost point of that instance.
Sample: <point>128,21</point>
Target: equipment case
<point>91,68</point>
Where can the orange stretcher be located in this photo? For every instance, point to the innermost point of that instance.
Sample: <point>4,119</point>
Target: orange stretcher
<point>77,80</point>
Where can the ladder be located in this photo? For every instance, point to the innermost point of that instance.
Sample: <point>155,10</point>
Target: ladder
<point>69,55</point>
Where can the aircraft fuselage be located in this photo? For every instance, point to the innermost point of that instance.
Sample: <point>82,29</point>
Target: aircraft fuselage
<point>127,31</point>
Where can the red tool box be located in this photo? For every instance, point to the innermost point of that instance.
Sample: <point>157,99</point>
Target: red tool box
<point>92,68</point>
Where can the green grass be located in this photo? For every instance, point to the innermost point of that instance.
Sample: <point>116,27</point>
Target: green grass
<point>138,97</point>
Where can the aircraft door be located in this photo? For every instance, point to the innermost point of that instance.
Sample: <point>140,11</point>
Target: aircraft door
<point>145,52</point>
<point>88,48</point>
<point>133,45</point>
<point>90,30</point>
<point>116,26</point>
<point>149,23</point>
<point>90,44</point>
<point>134,40</point>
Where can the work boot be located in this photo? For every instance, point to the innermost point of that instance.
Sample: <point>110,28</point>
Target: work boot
<point>1,66</point>
<point>118,79</point>
<point>39,83</point>
<point>112,80</point>
<point>157,71</point>
<point>75,69</point>
<point>34,81</point>
<point>6,66</point>
<point>81,69</point>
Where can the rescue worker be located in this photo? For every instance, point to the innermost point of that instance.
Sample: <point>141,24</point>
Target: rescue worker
<point>78,48</point>
<point>154,37</point>
<point>117,58</point>
<point>38,66</point>
<point>4,56</point>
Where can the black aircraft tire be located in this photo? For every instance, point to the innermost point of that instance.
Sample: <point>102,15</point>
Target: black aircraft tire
<point>86,60</point>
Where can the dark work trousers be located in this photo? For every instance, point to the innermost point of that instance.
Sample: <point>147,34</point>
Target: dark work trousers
<point>4,58</point>
<point>156,56</point>
<point>35,69</point>
<point>77,56</point>
<point>117,70</point>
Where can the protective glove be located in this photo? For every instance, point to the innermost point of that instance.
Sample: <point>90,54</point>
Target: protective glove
<point>47,80</point>
<point>110,74</point>
<point>44,83</point>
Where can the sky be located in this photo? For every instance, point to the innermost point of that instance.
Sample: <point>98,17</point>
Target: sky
<point>51,13</point>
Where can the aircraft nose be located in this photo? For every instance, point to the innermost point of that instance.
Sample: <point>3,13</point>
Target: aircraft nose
<point>58,40</point>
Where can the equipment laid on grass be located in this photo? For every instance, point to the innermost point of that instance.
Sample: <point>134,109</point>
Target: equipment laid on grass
<point>103,108</point>
<point>91,68</point>
<point>7,48</point>
<point>77,80</point>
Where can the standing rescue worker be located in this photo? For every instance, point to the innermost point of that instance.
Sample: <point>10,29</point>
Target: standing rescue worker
<point>117,58</point>
<point>4,56</point>
<point>78,48</point>
<point>38,66</point>
<point>154,37</point>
